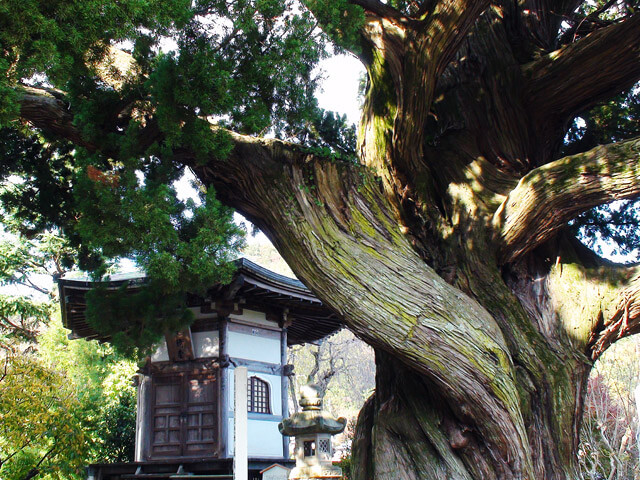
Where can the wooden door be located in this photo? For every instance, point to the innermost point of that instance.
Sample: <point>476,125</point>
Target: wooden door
<point>185,417</point>
<point>201,415</point>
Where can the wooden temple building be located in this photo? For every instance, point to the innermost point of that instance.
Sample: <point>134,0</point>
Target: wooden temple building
<point>185,410</point>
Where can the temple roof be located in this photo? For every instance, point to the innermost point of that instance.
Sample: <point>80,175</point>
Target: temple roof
<point>253,287</point>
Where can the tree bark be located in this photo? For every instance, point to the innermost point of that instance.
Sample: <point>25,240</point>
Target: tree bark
<point>444,248</point>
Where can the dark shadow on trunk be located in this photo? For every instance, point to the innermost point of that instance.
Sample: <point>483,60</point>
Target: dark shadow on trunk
<point>406,431</point>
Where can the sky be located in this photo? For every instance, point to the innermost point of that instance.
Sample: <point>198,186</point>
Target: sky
<point>340,86</point>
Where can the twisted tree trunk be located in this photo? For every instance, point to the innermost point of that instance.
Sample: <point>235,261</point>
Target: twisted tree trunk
<point>444,249</point>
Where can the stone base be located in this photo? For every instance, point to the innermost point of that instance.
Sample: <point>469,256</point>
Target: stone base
<point>315,472</point>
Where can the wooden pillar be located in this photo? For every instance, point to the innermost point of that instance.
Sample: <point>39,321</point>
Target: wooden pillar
<point>284,393</point>
<point>223,348</point>
<point>240,451</point>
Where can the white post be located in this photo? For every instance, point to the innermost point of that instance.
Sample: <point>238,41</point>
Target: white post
<point>142,422</point>
<point>240,457</point>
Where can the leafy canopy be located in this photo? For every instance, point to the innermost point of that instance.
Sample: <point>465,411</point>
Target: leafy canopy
<point>180,67</point>
<point>159,76</point>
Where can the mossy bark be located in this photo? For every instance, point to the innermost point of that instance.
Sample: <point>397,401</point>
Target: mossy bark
<point>481,365</point>
<point>424,251</point>
<point>444,248</point>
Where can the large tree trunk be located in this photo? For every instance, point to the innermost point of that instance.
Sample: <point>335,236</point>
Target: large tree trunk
<point>431,256</point>
<point>481,367</point>
<point>444,249</point>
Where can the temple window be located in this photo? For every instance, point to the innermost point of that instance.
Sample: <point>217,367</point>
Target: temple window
<point>259,396</point>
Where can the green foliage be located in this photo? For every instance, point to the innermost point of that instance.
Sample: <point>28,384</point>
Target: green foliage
<point>182,250</point>
<point>40,197</point>
<point>328,134</point>
<point>193,67</point>
<point>102,381</point>
<point>40,423</point>
<point>20,318</point>
<point>346,464</point>
<point>340,19</point>
<point>117,430</point>
<point>24,264</point>
<point>615,224</point>
<point>62,38</point>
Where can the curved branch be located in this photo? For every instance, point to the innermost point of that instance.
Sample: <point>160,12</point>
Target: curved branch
<point>624,321</point>
<point>581,74</point>
<point>552,195</point>
<point>45,109</point>
<point>380,9</point>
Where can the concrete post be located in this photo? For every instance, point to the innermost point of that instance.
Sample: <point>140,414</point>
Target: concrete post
<point>143,418</point>
<point>240,457</point>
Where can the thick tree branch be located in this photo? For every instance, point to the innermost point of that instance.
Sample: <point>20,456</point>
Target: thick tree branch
<point>583,73</point>
<point>624,321</point>
<point>339,232</point>
<point>48,111</point>
<point>551,195</point>
<point>380,9</point>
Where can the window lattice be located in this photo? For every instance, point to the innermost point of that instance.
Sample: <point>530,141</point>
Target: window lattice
<point>258,396</point>
<point>324,446</point>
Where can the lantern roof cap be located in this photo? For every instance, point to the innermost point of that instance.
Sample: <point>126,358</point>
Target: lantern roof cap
<point>312,419</point>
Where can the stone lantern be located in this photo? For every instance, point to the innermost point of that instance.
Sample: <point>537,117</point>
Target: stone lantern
<point>312,429</point>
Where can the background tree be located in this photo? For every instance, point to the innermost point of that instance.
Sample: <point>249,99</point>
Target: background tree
<point>63,404</point>
<point>609,448</point>
<point>341,365</point>
<point>443,243</point>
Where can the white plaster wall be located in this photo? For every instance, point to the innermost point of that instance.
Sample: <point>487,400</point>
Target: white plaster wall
<point>252,316</point>
<point>252,346</point>
<point>161,354</point>
<point>205,344</point>
<point>265,439</point>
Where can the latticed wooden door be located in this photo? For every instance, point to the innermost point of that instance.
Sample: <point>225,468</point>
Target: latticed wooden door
<point>185,417</point>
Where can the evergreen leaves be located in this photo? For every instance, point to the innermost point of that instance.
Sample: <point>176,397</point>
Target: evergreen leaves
<point>187,68</point>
